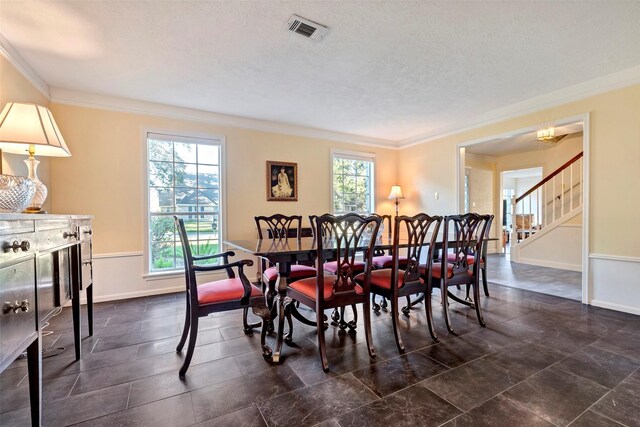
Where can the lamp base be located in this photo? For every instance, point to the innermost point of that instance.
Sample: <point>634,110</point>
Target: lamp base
<point>32,210</point>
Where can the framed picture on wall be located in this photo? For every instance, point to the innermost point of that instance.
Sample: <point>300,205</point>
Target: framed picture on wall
<point>282,181</point>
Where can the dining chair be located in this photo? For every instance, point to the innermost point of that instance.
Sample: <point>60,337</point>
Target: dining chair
<point>483,259</point>
<point>463,248</point>
<point>339,238</point>
<point>231,293</point>
<point>281,227</point>
<point>411,278</point>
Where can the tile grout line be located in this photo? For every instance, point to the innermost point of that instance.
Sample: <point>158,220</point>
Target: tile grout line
<point>605,395</point>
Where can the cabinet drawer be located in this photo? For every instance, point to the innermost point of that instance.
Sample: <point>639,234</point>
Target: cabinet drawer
<point>16,245</point>
<point>17,284</point>
<point>49,239</point>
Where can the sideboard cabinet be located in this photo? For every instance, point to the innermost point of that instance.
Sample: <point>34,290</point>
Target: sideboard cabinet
<point>45,262</point>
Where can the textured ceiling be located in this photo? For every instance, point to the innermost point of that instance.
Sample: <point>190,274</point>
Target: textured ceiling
<point>387,69</point>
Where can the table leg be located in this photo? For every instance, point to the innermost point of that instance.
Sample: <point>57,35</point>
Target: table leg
<point>284,270</point>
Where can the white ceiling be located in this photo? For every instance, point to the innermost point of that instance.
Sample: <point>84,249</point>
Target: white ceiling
<point>394,70</point>
<point>521,143</point>
<point>523,173</point>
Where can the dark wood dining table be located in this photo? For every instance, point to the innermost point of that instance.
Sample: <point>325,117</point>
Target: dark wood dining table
<point>287,251</point>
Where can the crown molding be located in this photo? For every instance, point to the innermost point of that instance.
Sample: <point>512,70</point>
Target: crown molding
<point>83,99</point>
<point>21,64</point>
<point>618,80</point>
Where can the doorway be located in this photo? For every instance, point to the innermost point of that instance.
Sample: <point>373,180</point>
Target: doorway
<point>520,150</point>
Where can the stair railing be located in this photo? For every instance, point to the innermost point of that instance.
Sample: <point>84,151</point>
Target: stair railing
<point>547,201</point>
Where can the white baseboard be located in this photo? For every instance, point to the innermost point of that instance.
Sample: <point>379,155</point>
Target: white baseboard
<point>616,307</point>
<point>613,282</point>
<point>550,264</point>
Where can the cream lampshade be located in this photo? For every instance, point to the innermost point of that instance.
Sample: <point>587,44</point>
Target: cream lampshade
<point>396,193</point>
<point>25,128</point>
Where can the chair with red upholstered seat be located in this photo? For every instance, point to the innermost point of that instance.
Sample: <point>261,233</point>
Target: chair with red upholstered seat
<point>232,293</point>
<point>339,238</point>
<point>392,283</point>
<point>463,248</point>
<point>281,227</point>
<point>483,260</point>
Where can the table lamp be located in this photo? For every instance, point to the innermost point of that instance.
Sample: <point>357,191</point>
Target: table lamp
<point>27,128</point>
<point>396,193</point>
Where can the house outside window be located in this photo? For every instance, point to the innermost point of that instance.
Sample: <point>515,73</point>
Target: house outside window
<point>183,179</point>
<point>353,182</point>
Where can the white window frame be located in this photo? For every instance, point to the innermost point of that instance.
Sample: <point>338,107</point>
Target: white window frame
<point>356,155</point>
<point>188,137</point>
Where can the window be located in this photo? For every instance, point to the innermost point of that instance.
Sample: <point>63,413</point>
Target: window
<point>353,184</point>
<point>184,180</point>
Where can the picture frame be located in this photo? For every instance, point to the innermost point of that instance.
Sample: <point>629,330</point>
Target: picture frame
<point>282,181</point>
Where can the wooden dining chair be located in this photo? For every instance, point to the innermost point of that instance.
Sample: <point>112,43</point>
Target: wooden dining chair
<point>411,278</point>
<point>232,293</point>
<point>281,227</point>
<point>483,260</point>
<point>463,240</point>
<point>339,238</point>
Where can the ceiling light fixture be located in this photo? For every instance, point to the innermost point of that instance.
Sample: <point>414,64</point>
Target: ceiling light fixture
<point>546,134</point>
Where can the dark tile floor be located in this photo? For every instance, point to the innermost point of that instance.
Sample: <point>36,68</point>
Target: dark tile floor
<point>552,281</point>
<point>541,361</point>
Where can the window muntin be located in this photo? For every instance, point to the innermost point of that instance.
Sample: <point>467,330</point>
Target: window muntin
<point>353,183</point>
<point>183,179</point>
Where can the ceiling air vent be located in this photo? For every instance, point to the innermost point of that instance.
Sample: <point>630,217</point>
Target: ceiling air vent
<point>308,29</point>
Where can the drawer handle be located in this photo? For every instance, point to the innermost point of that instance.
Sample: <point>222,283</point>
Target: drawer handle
<point>66,235</point>
<point>87,262</point>
<point>24,245</point>
<point>16,306</point>
<point>89,232</point>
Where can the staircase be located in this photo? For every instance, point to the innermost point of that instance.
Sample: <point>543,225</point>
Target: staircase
<point>548,214</point>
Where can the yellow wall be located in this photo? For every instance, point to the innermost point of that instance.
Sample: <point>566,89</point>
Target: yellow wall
<point>614,172</point>
<point>15,87</point>
<point>105,176</point>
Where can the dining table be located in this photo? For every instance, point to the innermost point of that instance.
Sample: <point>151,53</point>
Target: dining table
<point>285,252</point>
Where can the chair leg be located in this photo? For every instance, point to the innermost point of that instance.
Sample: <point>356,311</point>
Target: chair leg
<point>246,326</point>
<point>484,280</point>
<point>407,308</point>
<point>428,309</point>
<point>445,306</point>
<point>384,304</point>
<point>468,290</point>
<point>396,329</point>
<point>193,336</point>
<point>374,304</point>
<point>476,297</point>
<point>321,343</point>
<point>354,323</point>
<point>264,313</point>
<point>367,327</point>
<point>287,313</point>
<point>185,330</point>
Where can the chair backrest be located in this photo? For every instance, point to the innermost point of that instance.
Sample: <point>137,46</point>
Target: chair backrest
<point>343,236</point>
<point>386,224</point>
<point>485,242</point>
<point>421,234</point>
<point>313,220</point>
<point>190,274</point>
<point>279,226</point>
<point>468,233</point>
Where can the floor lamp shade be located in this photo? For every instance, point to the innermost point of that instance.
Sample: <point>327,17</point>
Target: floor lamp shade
<point>30,128</point>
